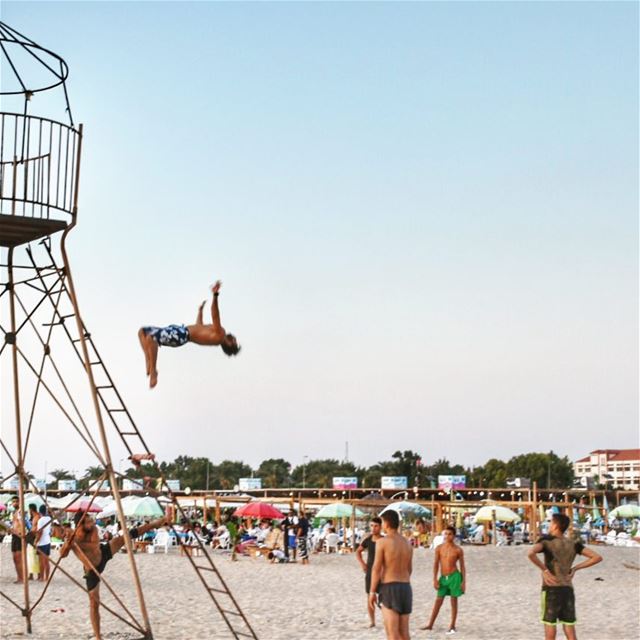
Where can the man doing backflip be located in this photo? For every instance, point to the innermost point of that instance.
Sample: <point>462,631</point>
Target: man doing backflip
<point>94,555</point>
<point>176,335</point>
<point>390,578</point>
<point>449,561</point>
<point>558,600</point>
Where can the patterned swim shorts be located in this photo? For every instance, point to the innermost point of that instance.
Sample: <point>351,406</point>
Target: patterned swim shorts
<point>174,335</point>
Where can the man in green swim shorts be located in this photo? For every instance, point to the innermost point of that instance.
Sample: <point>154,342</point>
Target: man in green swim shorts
<point>449,562</point>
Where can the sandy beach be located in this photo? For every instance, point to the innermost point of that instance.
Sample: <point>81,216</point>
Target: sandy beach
<point>326,599</point>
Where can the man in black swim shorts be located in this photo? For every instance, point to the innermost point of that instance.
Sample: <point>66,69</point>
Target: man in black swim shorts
<point>390,578</point>
<point>176,335</point>
<point>95,555</point>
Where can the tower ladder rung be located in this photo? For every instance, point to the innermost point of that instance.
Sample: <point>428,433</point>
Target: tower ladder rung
<point>232,613</point>
<point>128,433</point>
<point>226,593</point>
<point>242,633</point>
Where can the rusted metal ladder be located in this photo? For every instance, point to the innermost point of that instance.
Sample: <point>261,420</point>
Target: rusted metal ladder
<point>125,426</point>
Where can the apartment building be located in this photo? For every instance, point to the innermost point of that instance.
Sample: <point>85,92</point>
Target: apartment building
<point>613,467</point>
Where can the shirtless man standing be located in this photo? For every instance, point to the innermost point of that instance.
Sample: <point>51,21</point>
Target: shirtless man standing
<point>449,556</point>
<point>175,335</point>
<point>390,578</point>
<point>90,551</point>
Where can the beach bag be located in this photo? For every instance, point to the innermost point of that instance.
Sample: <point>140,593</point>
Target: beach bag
<point>33,562</point>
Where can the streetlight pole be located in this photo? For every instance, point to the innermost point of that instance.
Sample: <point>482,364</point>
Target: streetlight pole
<point>304,471</point>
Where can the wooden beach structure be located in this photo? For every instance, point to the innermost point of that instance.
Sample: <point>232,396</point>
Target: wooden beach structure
<point>40,322</point>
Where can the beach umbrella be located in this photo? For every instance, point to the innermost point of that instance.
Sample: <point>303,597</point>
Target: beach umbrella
<point>2,506</point>
<point>135,507</point>
<point>626,511</point>
<point>501,514</point>
<point>337,510</point>
<point>33,498</point>
<point>605,504</point>
<point>84,504</point>
<point>407,510</point>
<point>595,513</point>
<point>260,510</point>
<point>146,507</point>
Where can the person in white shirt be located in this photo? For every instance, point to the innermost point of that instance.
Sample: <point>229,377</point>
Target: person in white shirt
<point>43,543</point>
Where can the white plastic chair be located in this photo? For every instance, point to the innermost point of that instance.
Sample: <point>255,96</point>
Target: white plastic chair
<point>223,540</point>
<point>161,541</point>
<point>331,542</point>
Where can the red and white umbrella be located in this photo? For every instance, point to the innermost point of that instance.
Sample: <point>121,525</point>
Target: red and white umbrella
<point>258,510</point>
<point>84,505</point>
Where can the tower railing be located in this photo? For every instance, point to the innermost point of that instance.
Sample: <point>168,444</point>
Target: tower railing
<point>38,161</point>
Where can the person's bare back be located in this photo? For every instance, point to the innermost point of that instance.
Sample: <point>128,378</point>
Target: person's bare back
<point>397,556</point>
<point>390,578</point>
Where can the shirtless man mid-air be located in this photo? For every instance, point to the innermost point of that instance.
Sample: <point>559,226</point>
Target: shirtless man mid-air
<point>176,335</point>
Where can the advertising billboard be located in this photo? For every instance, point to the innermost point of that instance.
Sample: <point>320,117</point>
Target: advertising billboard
<point>345,483</point>
<point>519,483</point>
<point>132,485</point>
<point>393,482</point>
<point>250,484</point>
<point>452,482</point>
<point>66,485</point>
<point>11,483</point>
<point>174,485</point>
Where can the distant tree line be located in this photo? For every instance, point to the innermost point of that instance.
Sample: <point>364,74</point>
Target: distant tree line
<point>547,469</point>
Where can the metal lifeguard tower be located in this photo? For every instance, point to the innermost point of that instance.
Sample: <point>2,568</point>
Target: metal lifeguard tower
<point>40,318</point>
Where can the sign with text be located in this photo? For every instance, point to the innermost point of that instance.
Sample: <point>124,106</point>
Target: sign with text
<point>174,485</point>
<point>11,483</point>
<point>345,483</point>
<point>250,484</point>
<point>132,485</point>
<point>452,482</point>
<point>66,485</point>
<point>393,482</point>
<point>519,483</point>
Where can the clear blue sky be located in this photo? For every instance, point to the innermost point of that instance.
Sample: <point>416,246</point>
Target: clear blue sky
<point>424,215</point>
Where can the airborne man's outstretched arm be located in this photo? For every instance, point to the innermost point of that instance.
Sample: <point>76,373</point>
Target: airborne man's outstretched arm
<point>215,311</point>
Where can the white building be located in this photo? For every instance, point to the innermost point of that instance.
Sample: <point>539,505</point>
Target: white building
<point>613,467</point>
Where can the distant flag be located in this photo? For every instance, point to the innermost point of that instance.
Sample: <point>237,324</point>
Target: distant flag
<point>575,512</point>
<point>595,514</point>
